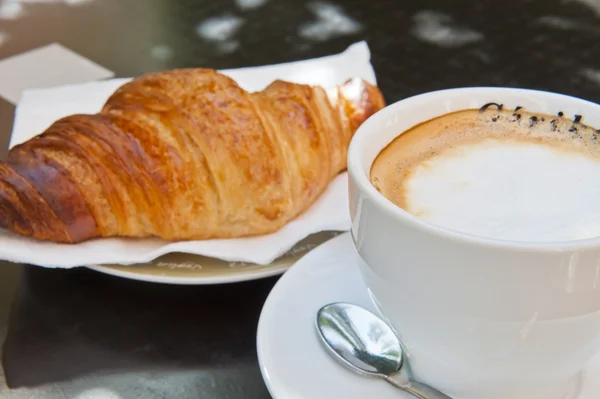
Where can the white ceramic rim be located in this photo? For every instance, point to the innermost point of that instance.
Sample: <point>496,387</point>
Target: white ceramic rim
<point>248,275</point>
<point>356,170</point>
<point>270,305</point>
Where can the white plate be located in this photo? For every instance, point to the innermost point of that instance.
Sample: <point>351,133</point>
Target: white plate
<point>188,269</point>
<point>292,361</point>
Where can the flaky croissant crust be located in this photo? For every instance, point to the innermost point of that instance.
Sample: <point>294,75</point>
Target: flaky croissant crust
<point>185,154</point>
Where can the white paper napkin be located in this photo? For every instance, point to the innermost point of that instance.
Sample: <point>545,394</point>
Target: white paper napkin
<point>60,65</point>
<point>38,108</point>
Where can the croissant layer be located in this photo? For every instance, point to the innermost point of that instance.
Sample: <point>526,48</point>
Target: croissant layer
<point>185,154</point>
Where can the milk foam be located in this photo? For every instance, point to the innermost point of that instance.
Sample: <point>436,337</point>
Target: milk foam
<point>508,189</point>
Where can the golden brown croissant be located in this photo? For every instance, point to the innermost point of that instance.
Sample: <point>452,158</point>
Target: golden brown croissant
<point>185,154</point>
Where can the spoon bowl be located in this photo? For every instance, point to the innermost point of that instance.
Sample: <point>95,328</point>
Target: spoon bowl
<point>360,339</point>
<point>364,343</point>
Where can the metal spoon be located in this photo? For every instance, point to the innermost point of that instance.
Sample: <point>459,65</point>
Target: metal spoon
<point>365,344</point>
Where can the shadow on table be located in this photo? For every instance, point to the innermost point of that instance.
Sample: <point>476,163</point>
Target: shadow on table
<point>66,324</point>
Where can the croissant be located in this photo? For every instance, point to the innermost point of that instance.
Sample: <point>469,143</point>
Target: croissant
<point>180,155</point>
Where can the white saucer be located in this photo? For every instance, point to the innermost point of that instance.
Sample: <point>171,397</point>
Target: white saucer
<point>292,360</point>
<point>188,269</point>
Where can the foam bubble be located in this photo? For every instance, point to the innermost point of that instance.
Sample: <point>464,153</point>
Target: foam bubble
<point>509,189</point>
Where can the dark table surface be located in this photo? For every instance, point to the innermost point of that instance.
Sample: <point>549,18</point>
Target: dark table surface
<point>78,334</point>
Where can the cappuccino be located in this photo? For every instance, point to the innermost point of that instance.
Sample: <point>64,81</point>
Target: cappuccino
<point>497,173</point>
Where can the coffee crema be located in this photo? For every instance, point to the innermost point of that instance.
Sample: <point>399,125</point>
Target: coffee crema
<point>504,174</point>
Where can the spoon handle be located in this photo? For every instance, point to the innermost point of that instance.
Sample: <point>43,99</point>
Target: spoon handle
<point>417,389</point>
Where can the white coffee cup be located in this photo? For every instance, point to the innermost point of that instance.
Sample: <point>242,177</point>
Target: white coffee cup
<point>479,318</point>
